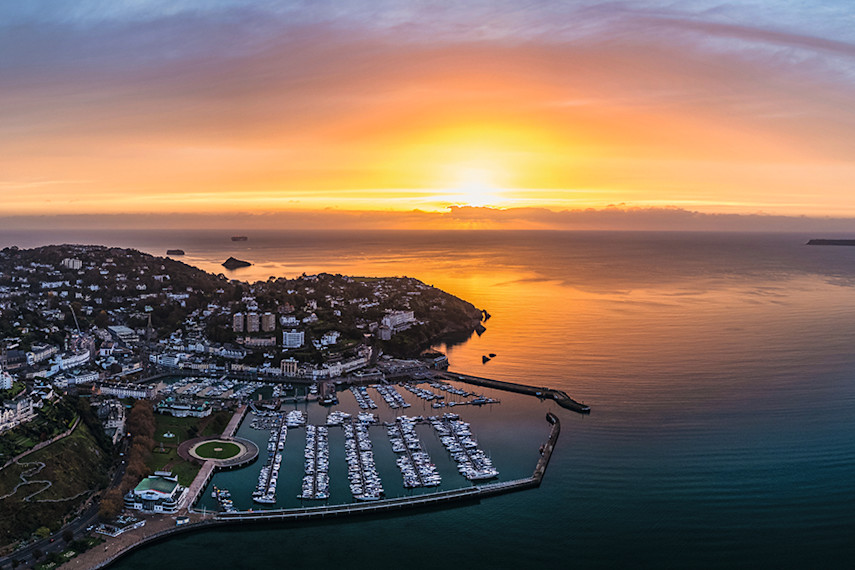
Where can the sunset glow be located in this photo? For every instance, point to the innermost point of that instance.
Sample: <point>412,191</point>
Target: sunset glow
<point>131,110</point>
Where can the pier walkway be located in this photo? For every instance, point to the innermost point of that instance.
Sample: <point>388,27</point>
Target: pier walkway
<point>560,397</point>
<point>234,423</point>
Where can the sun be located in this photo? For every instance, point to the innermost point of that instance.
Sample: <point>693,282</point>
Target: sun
<point>475,186</point>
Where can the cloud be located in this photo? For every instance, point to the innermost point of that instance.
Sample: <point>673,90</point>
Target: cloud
<point>612,218</point>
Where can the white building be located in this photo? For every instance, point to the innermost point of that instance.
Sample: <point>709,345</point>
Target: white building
<point>127,391</point>
<point>398,320</point>
<point>288,321</point>
<point>71,263</point>
<point>157,494</point>
<point>69,361</point>
<point>16,412</point>
<point>237,322</point>
<point>6,380</point>
<point>293,338</point>
<point>330,338</point>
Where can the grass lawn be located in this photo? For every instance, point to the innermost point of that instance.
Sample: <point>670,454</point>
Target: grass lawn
<point>217,450</point>
<point>184,429</point>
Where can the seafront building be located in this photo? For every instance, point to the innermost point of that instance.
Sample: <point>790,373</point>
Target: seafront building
<point>159,493</point>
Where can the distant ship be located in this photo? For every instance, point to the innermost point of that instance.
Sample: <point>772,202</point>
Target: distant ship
<point>174,252</point>
<point>239,238</point>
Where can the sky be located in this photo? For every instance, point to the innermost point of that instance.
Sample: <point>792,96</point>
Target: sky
<point>527,114</point>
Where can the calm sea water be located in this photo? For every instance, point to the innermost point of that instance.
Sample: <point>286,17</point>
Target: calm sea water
<point>720,369</point>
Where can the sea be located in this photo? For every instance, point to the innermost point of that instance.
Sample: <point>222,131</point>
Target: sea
<point>719,367</point>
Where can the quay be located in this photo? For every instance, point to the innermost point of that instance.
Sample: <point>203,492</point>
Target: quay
<point>561,398</point>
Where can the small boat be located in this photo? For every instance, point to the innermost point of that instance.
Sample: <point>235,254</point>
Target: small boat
<point>485,359</point>
<point>239,238</point>
<point>174,252</point>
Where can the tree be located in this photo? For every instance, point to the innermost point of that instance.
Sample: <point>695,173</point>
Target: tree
<point>42,532</point>
<point>67,535</point>
<point>111,504</point>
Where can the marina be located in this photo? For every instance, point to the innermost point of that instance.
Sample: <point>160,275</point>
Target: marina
<point>316,481</point>
<point>416,467</point>
<point>365,484</point>
<point>456,436</point>
<point>363,400</point>
<point>268,477</point>
<point>392,397</point>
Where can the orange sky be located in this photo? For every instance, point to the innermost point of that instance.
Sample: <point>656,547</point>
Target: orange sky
<point>220,112</point>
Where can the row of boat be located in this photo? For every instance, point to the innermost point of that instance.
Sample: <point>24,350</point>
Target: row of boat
<point>422,393</point>
<point>265,490</point>
<point>362,398</point>
<point>416,467</point>
<point>365,484</point>
<point>224,499</point>
<point>442,386</point>
<point>391,395</point>
<point>456,436</point>
<point>316,481</point>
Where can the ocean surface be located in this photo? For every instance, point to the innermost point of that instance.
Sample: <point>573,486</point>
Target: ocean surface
<point>720,369</point>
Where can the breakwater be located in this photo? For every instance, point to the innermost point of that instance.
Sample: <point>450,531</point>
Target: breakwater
<point>561,398</point>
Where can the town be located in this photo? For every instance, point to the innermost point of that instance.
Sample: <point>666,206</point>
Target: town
<point>85,331</point>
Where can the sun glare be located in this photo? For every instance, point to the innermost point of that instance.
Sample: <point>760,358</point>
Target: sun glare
<point>475,186</point>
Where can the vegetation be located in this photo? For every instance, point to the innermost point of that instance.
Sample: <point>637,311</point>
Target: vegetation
<point>218,450</point>
<point>75,466</point>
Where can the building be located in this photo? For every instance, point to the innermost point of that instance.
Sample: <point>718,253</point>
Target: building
<point>71,263</point>
<point>330,338</point>
<point>183,409</point>
<point>259,342</point>
<point>293,338</point>
<point>69,361</point>
<point>237,322</point>
<point>6,380</point>
<point>40,353</point>
<point>268,322</point>
<point>253,323</point>
<point>398,320</point>
<point>288,367</point>
<point>123,334</point>
<point>288,321</point>
<point>112,416</point>
<point>16,412</point>
<point>127,391</point>
<point>155,494</point>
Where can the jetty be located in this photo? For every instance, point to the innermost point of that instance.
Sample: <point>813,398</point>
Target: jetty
<point>561,398</point>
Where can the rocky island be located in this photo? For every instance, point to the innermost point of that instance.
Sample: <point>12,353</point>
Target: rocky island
<point>232,263</point>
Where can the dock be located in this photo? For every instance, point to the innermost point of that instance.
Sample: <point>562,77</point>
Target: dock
<point>561,398</point>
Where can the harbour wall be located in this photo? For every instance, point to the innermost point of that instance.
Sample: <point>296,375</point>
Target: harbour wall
<point>560,397</point>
